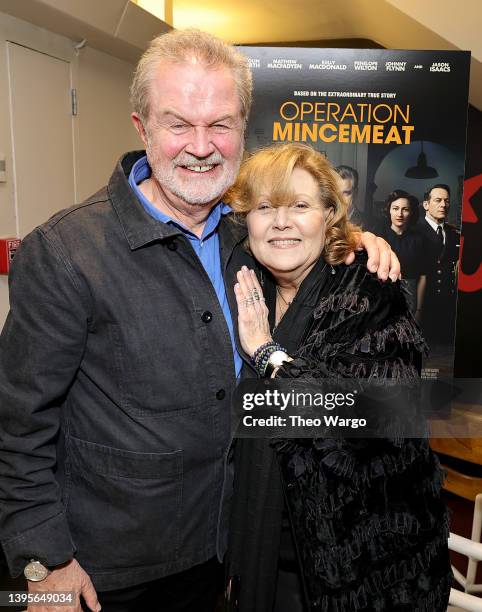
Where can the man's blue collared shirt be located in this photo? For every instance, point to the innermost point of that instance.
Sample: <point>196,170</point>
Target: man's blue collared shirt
<point>206,247</point>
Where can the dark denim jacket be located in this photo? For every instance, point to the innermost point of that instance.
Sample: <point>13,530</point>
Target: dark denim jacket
<point>116,371</point>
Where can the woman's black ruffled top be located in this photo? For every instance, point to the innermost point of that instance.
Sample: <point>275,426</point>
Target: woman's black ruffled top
<point>370,528</point>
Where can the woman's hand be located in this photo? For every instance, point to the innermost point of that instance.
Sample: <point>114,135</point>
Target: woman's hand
<point>253,323</point>
<point>381,258</point>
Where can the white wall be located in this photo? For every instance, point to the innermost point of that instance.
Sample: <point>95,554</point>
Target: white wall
<point>105,130</point>
<point>102,128</point>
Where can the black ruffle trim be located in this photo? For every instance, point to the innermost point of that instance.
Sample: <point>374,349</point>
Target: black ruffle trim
<point>378,536</point>
<point>350,301</point>
<point>342,458</point>
<point>415,593</point>
<point>348,500</point>
<point>402,330</point>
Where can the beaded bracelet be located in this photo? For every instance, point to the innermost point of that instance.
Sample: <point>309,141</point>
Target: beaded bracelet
<point>263,362</point>
<point>267,348</point>
<point>260,349</point>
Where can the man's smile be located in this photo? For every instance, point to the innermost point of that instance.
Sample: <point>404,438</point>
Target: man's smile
<point>199,169</point>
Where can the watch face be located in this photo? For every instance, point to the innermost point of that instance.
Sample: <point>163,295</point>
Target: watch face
<point>35,571</point>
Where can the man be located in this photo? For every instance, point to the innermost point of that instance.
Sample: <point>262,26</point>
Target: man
<point>119,355</point>
<point>349,189</point>
<point>442,239</point>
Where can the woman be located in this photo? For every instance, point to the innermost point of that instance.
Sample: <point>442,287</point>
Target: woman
<point>401,215</point>
<point>327,524</point>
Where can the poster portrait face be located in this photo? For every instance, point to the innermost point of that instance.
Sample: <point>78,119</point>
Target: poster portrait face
<point>438,204</point>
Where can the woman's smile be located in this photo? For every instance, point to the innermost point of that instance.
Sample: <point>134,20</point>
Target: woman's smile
<point>284,243</point>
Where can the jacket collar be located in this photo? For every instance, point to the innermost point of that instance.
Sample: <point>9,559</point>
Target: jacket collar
<point>231,233</point>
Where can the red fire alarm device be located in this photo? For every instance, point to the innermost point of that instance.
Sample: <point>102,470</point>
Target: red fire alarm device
<point>8,248</point>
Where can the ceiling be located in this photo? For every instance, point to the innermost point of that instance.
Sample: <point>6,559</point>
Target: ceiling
<point>394,22</point>
<point>252,21</point>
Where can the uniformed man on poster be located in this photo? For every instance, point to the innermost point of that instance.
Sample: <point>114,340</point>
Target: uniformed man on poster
<point>443,240</point>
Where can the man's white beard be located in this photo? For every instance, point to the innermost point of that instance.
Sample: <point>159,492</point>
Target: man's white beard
<point>200,190</point>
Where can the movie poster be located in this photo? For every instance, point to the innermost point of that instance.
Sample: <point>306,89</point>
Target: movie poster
<point>393,122</point>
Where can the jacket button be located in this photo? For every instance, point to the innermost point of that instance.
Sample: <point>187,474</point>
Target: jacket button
<point>172,245</point>
<point>207,316</point>
<point>221,394</point>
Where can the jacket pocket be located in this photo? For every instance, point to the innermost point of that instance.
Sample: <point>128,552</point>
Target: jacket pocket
<point>124,507</point>
<point>153,378</point>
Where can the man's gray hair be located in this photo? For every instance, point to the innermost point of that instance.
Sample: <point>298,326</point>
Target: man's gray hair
<point>184,46</point>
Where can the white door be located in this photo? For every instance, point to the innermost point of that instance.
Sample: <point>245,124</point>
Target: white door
<point>42,135</point>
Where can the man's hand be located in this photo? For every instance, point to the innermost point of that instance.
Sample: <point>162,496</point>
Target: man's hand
<point>381,258</point>
<point>67,577</point>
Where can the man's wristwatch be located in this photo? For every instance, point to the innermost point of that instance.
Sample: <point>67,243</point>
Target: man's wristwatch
<point>276,360</point>
<point>35,571</point>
